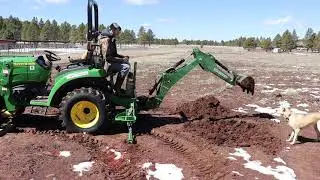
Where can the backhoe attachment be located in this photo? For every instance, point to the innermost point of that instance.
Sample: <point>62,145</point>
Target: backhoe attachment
<point>173,74</point>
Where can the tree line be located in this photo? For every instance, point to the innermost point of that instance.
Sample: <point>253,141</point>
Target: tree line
<point>286,42</point>
<point>40,30</point>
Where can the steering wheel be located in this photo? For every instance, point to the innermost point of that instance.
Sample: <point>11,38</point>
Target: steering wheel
<point>51,56</point>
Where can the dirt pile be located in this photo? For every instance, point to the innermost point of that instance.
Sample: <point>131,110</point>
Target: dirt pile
<point>237,133</point>
<point>204,107</point>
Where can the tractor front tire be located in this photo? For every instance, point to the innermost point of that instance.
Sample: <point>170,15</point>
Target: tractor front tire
<point>83,110</point>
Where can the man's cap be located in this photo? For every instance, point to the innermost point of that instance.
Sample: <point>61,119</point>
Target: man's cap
<point>115,26</point>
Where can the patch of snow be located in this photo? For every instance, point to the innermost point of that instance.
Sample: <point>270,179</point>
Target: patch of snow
<point>252,105</point>
<point>240,109</point>
<point>65,153</point>
<point>267,77</point>
<point>281,84</point>
<point>267,87</point>
<point>237,173</point>
<point>303,105</point>
<point>84,166</point>
<point>163,171</point>
<point>303,89</point>
<point>284,104</point>
<point>270,91</point>
<point>271,111</point>
<point>280,160</point>
<point>232,158</point>
<point>267,110</point>
<point>117,154</point>
<point>315,96</point>
<point>314,92</point>
<point>275,120</point>
<point>290,91</point>
<point>279,172</point>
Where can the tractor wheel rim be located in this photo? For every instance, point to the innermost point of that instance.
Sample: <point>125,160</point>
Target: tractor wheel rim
<point>84,114</point>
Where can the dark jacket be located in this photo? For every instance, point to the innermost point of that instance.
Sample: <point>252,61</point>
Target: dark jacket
<point>109,48</point>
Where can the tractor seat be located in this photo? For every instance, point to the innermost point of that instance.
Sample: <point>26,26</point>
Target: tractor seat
<point>43,61</point>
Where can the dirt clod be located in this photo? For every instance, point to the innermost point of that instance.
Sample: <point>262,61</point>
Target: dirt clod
<point>204,107</point>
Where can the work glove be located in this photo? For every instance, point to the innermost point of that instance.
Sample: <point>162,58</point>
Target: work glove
<point>126,59</point>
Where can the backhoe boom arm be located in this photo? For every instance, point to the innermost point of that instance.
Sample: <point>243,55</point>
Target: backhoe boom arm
<point>208,63</point>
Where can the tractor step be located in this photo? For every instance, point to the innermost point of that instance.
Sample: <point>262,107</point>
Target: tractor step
<point>40,101</point>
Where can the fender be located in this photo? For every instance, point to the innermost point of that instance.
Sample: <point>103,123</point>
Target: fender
<point>63,78</point>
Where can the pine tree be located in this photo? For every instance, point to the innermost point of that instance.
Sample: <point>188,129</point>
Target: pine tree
<point>41,24</point>
<point>81,33</point>
<point>24,29</point>
<point>250,43</point>
<point>46,31</point>
<point>295,36</point>
<point>150,36</point>
<point>287,42</point>
<point>309,38</point>
<point>33,31</point>
<point>126,37</point>
<point>73,34</point>
<point>277,41</point>
<point>133,36</point>
<point>316,42</point>
<point>266,44</point>
<point>142,36</point>
<point>55,30</point>
<point>310,42</point>
<point>65,29</point>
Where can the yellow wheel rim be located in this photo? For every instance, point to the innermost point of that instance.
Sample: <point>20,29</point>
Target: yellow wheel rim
<point>84,114</point>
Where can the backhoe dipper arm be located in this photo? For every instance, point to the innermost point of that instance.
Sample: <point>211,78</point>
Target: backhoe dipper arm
<point>208,63</point>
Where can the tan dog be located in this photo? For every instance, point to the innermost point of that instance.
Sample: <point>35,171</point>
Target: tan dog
<point>300,121</point>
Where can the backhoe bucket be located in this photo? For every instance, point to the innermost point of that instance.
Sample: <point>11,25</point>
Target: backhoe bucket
<point>247,84</point>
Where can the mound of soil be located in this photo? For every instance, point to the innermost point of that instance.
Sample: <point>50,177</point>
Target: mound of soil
<point>237,133</point>
<point>207,106</point>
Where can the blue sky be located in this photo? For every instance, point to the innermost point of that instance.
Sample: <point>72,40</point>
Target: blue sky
<point>184,19</point>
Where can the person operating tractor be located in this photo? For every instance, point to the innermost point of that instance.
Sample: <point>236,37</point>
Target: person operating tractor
<point>118,63</point>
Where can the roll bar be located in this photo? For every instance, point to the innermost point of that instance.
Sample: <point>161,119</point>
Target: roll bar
<point>92,4</point>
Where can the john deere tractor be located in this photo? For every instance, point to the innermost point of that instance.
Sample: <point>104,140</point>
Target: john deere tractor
<point>84,90</point>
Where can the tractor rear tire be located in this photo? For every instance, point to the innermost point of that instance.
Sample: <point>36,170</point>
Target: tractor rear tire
<point>83,110</point>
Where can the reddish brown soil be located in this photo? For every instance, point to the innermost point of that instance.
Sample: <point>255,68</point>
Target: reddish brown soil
<point>238,133</point>
<point>192,131</point>
<point>204,107</point>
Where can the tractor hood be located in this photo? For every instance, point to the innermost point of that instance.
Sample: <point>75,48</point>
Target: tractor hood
<point>17,59</point>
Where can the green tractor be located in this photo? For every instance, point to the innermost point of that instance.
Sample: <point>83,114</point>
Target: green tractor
<point>83,91</point>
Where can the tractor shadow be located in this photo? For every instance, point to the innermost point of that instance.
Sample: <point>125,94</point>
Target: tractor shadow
<point>303,140</point>
<point>37,122</point>
<point>146,122</point>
